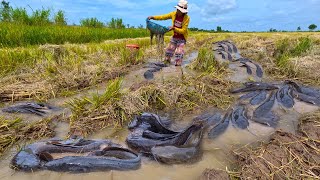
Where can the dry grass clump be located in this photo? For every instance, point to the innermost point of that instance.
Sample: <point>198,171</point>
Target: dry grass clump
<point>14,131</point>
<point>286,156</point>
<point>115,107</point>
<point>309,127</point>
<point>49,71</point>
<point>60,68</point>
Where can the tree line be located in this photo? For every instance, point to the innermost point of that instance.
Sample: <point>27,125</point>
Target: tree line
<point>42,17</point>
<point>311,27</point>
<point>218,29</point>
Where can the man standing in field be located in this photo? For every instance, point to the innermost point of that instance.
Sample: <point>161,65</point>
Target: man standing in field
<point>180,21</point>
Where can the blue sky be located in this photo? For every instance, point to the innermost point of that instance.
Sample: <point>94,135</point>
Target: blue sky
<point>235,15</point>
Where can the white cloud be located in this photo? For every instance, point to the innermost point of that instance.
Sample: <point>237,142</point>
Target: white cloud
<point>194,8</point>
<point>216,7</point>
<point>211,10</point>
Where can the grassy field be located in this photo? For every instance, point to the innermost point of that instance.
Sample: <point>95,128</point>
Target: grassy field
<point>43,72</point>
<point>17,35</point>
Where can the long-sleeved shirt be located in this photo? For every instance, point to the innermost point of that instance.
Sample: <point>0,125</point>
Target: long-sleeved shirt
<point>172,15</point>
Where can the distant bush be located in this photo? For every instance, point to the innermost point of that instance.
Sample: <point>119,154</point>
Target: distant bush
<point>60,19</point>
<point>91,22</point>
<point>40,17</point>
<point>312,27</point>
<point>20,16</point>
<point>116,23</point>
<point>5,11</point>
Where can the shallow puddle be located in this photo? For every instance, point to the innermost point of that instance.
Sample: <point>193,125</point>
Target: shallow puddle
<point>216,154</point>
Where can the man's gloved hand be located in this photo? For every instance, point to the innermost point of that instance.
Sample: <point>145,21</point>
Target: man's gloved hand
<point>150,17</point>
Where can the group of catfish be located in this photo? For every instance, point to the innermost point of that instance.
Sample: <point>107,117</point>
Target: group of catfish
<point>154,137</point>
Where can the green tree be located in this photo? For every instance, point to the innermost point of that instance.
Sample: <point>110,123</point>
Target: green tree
<point>20,16</point>
<point>116,23</point>
<point>219,29</point>
<point>272,30</point>
<point>41,17</point>
<point>91,22</point>
<point>312,27</point>
<point>5,11</point>
<point>299,28</point>
<point>60,19</point>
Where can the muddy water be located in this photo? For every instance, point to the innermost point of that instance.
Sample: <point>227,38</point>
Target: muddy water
<point>216,152</point>
<point>136,77</point>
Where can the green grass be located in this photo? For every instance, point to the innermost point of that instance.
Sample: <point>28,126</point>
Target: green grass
<point>288,48</point>
<point>111,94</point>
<point>15,60</point>
<point>14,35</point>
<point>205,61</point>
<point>116,106</point>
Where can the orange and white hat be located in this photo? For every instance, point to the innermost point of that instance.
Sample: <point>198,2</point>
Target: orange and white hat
<point>182,6</point>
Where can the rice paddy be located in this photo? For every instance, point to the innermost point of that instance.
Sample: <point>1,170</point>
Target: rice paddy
<point>19,35</point>
<point>46,69</point>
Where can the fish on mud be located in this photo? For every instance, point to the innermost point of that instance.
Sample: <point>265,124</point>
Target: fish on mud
<point>209,119</point>
<point>102,155</point>
<point>151,122</point>
<point>259,71</point>
<point>39,109</point>
<point>221,127</point>
<point>148,75</point>
<point>269,119</point>
<point>227,46</point>
<point>254,86</point>
<point>249,71</point>
<point>239,118</point>
<point>225,55</point>
<point>310,91</point>
<point>285,96</point>
<point>263,113</point>
<point>111,158</point>
<point>259,98</point>
<point>234,47</point>
<point>249,95</point>
<point>153,67</point>
<point>150,137</point>
<point>308,99</point>
<point>144,144</point>
<point>266,107</point>
<point>189,152</point>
